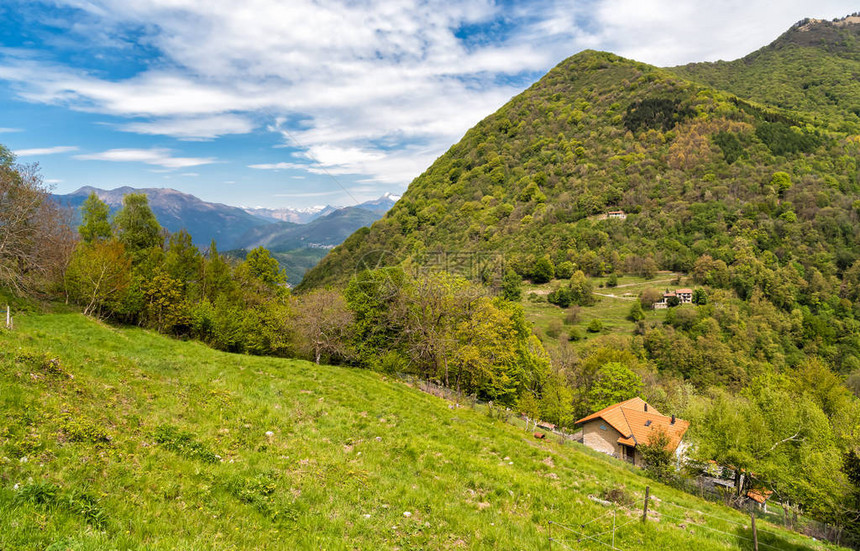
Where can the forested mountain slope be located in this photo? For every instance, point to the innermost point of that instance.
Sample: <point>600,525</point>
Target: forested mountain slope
<point>698,171</point>
<point>813,69</point>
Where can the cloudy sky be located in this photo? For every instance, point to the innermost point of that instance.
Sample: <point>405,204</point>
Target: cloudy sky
<point>309,102</point>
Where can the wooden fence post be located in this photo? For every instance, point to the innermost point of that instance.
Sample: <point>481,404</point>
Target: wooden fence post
<point>755,534</point>
<point>645,505</point>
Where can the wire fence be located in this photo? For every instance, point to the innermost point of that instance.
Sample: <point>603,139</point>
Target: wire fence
<point>597,530</point>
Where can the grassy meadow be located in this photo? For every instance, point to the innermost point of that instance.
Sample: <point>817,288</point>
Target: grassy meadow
<point>119,438</point>
<point>611,307</point>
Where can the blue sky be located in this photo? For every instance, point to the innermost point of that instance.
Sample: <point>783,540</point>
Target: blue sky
<point>308,102</point>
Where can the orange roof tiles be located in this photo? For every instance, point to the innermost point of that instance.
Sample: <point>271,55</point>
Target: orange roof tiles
<point>759,496</point>
<point>685,291</point>
<point>635,424</point>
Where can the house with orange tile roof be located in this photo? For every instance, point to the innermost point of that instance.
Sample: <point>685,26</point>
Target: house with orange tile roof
<point>618,429</point>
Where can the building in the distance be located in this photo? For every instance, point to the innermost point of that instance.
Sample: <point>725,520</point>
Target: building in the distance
<point>685,296</point>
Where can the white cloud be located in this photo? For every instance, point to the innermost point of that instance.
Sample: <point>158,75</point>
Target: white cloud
<point>279,166</point>
<point>5,130</point>
<point>193,128</point>
<point>381,87</point>
<point>155,156</point>
<point>311,194</point>
<point>39,151</point>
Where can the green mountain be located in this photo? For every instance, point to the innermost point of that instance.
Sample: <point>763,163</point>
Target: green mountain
<point>119,438</point>
<point>701,174</point>
<point>811,70</point>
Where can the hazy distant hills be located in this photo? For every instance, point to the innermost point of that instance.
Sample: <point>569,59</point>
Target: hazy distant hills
<point>235,228</point>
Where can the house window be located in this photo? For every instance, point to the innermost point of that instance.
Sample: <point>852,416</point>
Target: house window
<point>602,426</point>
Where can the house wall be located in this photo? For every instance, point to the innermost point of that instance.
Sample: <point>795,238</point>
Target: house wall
<point>605,441</point>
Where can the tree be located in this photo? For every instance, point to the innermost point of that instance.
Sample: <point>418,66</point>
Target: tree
<point>613,382</point>
<point>595,326</point>
<point>216,274</point>
<point>781,182</point>
<point>543,271</point>
<point>700,297</point>
<point>324,324</point>
<point>165,307</point>
<point>650,296</point>
<point>98,276</point>
<point>777,436</point>
<point>136,225</point>
<point>261,265</point>
<point>529,407</point>
<point>182,260</point>
<point>556,404</point>
<point>564,270</point>
<point>512,286</point>
<point>95,222</point>
<point>636,313</point>
<point>656,454</point>
<point>581,291</point>
<point>35,239</point>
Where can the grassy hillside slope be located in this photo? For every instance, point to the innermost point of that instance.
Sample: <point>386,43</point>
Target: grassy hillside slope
<point>120,438</point>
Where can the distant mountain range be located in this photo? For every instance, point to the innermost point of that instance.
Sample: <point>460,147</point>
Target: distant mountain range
<point>280,230</point>
<point>305,215</point>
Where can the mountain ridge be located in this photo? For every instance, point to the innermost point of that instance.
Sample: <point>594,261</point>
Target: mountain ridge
<point>599,132</point>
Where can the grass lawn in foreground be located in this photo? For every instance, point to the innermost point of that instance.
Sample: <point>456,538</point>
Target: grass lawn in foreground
<point>119,438</point>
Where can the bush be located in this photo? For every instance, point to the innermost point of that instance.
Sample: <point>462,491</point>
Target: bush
<point>543,271</point>
<point>512,286</point>
<point>564,270</point>
<point>595,326</point>
<point>575,334</point>
<point>612,281</point>
<point>561,297</point>
<point>554,329</point>
<point>572,316</point>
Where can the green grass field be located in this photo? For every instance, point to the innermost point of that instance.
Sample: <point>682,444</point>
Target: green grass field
<point>118,438</point>
<point>610,310</point>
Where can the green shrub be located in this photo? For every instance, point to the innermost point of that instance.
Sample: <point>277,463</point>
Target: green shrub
<point>595,326</point>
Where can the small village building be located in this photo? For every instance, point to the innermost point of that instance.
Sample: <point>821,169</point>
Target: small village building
<point>618,429</point>
<point>664,301</point>
<point>616,214</point>
<point>685,296</point>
